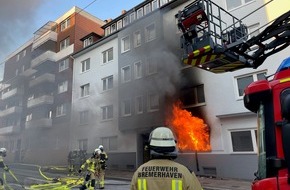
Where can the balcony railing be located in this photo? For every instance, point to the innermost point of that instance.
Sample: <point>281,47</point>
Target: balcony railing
<point>39,123</point>
<point>47,77</point>
<point>11,93</point>
<point>49,35</point>
<point>11,110</point>
<point>46,99</point>
<point>46,56</point>
<point>9,130</point>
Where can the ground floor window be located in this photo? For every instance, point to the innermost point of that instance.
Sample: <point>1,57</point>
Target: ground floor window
<point>244,140</point>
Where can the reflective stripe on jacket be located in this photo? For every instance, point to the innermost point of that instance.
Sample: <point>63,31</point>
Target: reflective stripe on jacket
<point>164,174</point>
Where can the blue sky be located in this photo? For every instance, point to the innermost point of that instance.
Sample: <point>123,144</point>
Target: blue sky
<point>19,19</point>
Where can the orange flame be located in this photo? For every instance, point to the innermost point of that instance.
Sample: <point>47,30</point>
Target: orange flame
<point>191,132</point>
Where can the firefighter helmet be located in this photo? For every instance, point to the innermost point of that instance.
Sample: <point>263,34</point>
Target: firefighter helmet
<point>101,147</point>
<point>3,151</point>
<point>162,140</point>
<point>97,151</point>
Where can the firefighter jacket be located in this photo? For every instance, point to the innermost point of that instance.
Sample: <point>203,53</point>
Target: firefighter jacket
<point>92,164</point>
<point>164,174</point>
<point>103,159</point>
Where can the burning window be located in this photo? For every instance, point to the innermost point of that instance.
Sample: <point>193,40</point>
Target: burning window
<point>192,133</point>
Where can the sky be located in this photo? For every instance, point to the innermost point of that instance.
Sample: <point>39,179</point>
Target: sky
<point>19,19</point>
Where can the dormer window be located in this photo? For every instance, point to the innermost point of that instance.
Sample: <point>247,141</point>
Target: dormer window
<point>88,41</point>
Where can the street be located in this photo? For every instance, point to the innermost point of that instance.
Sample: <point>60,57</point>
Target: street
<point>27,175</point>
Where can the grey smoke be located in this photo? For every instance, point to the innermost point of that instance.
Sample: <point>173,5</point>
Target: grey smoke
<point>17,19</point>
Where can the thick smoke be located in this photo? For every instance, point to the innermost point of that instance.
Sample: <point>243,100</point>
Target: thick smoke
<point>16,23</point>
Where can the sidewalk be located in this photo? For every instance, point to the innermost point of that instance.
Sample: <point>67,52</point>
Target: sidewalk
<point>206,182</point>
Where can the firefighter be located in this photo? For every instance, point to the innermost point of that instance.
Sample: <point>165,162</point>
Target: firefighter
<point>3,165</point>
<point>161,172</point>
<point>92,166</point>
<point>103,166</point>
<point>70,160</point>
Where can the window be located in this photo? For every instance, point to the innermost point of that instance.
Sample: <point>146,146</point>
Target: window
<point>83,144</point>
<point>110,143</point>
<point>24,53</point>
<point>153,102</point>
<point>125,44</point>
<point>62,87</point>
<point>88,41</point>
<point>86,65</point>
<point>107,112</point>
<point>139,13</point>
<point>151,66</point>
<point>63,65</point>
<point>137,38</point>
<point>61,110</point>
<point>163,2</point>
<point>119,24</point>
<point>193,96</point>
<point>126,108</point>
<point>147,9</point>
<point>113,28</point>
<point>244,141</point>
<point>138,70</point>
<point>64,43</point>
<point>107,83</point>
<point>18,57</point>
<point>244,81</point>
<point>28,117</point>
<point>155,5</point>
<point>108,55</point>
<point>84,117</point>
<point>125,21</point>
<point>132,17</point>
<point>139,104</point>
<point>85,90</point>
<point>150,33</point>
<point>126,74</point>
<point>108,31</point>
<point>64,24</point>
<point>231,4</point>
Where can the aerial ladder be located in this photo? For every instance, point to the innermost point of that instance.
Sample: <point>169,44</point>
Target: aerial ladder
<point>214,40</point>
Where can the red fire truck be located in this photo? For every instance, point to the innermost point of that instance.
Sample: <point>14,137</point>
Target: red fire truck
<point>216,41</point>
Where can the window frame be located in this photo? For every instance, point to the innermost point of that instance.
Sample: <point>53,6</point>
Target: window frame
<point>126,104</point>
<point>254,77</point>
<point>123,44</point>
<point>253,133</point>
<point>137,38</point>
<point>84,117</point>
<point>106,83</point>
<point>85,90</point>
<point>63,65</point>
<point>149,35</point>
<point>65,24</point>
<point>62,87</point>
<point>139,101</point>
<point>61,110</point>
<point>106,55</point>
<point>85,65</point>
<point>138,69</point>
<point>152,107</point>
<point>123,76</point>
<point>64,44</point>
<point>105,112</point>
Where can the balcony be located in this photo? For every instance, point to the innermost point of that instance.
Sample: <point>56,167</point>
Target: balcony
<point>42,100</point>
<point>11,93</point>
<point>47,56</point>
<point>39,123</point>
<point>9,130</point>
<point>49,35</point>
<point>47,77</point>
<point>11,110</point>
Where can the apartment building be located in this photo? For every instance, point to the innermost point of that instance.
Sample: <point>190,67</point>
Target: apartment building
<point>44,70</point>
<point>148,41</point>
